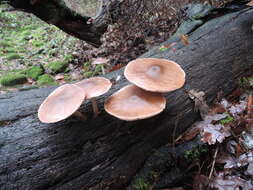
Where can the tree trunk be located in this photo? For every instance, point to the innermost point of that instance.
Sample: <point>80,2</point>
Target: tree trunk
<point>70,21</point>
<point>105,153</point>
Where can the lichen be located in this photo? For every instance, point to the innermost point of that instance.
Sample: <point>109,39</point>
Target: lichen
<point>46,80</point>
<point>12,79</point>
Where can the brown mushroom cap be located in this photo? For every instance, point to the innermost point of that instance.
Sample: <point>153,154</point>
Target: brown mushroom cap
<point>156,75</point>
<point>61,103</point>
<point>133,103</point>
<point>94,86</point>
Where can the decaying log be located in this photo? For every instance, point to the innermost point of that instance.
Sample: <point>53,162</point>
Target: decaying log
<point>65,17</point>
<point>105,153</point>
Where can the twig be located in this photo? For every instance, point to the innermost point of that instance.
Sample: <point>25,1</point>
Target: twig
<point>214,159</point>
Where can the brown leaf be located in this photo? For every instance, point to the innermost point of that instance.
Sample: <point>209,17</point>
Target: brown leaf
<point>184,39</point>
<point>116,67</point>
<point>223,182</point>
<point>200,182</point>
<point>215,133</point>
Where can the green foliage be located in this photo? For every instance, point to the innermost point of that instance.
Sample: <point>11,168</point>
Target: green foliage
<point>140,184</point>
<point>227,120</point>
<point>34,72</point>
<point>46,80</point>
<point>13,79</point>
<point>195,153</point>
<point>12,56</point>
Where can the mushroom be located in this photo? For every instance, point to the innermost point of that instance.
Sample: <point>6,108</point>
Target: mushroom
<point>100,61</point>
<point>94,87</point>
<point>133,103</point>
<point>61,103</point>
<point>156,75</point>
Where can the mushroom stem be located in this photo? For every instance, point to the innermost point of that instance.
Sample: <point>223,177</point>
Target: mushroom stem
<point>94,106</point>
<point>80,116</point>
<point>103,69</point>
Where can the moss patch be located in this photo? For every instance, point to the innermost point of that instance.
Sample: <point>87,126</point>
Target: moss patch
<point>12,56</point>
<point>34,72</point>
<point>46,80</point>
<point>13,79</point>
<point>58,66</point>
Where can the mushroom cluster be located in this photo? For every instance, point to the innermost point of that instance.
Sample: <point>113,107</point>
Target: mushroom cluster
<point>65,100</point>
<point>150,77</point>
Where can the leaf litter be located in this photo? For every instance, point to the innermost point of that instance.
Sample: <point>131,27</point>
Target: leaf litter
<point>228,127</point>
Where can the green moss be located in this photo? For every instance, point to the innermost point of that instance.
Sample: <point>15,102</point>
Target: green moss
<point>34,72</point>
<point>227,120</point>
<point>46,80</point>
<point>68,58</point>
<point>195,153</point>
<point>88,74</point>
<point>58,66</point>
<point>4,43</point>
<point>12,56</point>
<point>140,184</point>
<point>10,50</point>
<point>13,79</point>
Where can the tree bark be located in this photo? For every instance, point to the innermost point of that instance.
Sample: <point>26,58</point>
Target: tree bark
<point>105,153</point>
<point>58,13</point>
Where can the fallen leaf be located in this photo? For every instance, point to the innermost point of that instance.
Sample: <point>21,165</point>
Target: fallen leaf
<point>116,67</point>
<point>200,182</point>
<point>223,182</point>
<point>214,133</point>
<point>199,102</point>
<point>184,39</point>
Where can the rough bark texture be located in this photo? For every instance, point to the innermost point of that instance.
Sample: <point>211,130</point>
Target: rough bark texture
<point>83,27</point>
<point>105,153</point>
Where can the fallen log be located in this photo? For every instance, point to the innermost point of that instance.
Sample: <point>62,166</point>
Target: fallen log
<point>105,153</point>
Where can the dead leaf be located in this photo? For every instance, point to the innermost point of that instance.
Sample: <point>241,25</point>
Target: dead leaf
<point>215,133</point>
<point>200,103</point>
<point>200,182</point>
<point>116,67</point>
<point>223,182</point>
<point>184,39</point>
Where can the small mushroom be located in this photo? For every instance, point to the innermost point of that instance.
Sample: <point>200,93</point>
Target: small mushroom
<point>156,75</point>
<point>94,87</point>
<point>61,103</point>
<point>100,61</point>
<point>133,103</point>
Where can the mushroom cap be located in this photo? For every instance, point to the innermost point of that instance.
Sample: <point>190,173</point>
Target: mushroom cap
<point>94,86</point>
<point>61,103</point>
<point>156,75</point>
<point>133,103</point>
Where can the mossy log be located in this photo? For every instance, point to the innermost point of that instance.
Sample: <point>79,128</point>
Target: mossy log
<point>57,12</point>
<point>105,153</point>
